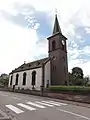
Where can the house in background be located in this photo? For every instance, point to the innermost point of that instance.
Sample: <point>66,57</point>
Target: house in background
<point>52,70</point>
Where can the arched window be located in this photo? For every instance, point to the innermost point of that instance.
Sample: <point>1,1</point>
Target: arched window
<point>24,78</point>
<point>33,78</point>
<point>53,45</point>
<point>11,81</point>
<point>17,79</point>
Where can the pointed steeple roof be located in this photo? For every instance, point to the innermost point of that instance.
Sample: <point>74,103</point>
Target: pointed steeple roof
<point>56,26</point>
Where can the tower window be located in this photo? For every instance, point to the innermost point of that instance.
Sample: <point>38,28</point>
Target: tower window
<point>24,78</point>
<point>53,45</point>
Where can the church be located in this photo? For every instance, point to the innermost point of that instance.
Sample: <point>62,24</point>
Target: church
<point>50,71</point>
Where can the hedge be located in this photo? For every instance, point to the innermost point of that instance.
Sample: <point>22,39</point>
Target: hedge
<point>81,89</point>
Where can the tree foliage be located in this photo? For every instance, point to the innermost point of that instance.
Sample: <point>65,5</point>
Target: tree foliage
<point>77,73</point>
<point>4,79</point>
<point>76,77</point>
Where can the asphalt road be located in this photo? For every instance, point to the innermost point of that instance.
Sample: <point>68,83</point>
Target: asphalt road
<point>28,107</point>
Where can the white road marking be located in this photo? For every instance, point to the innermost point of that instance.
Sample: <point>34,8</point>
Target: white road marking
<point>37,105</point>
<point>16,98</point>
<point>26,106</point>
<point>44,104</point>
<point>51,103</point>
<point>58,103</point>
<point>15,109</point>
<point>81,116</point>
<point>4,95</point>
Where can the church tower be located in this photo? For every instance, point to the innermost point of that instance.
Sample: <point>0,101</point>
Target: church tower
<point>58,50</point>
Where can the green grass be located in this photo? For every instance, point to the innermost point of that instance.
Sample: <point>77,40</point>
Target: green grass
<point>81,89</point>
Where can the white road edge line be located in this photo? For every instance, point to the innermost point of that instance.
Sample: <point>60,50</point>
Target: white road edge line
<point>16,98</point>
<point>73,114</point>
<point>15,109</point>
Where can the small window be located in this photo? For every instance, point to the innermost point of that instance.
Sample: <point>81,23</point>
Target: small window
<point>53,45</point>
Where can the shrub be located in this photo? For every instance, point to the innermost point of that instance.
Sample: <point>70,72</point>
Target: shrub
<point>78,89</point>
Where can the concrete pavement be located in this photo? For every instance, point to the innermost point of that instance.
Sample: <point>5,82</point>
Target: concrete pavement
<point>27,107</point>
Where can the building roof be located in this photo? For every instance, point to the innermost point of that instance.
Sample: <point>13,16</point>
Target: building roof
<point>30,65</point>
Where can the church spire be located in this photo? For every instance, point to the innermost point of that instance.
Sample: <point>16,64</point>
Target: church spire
<point>56,26</point>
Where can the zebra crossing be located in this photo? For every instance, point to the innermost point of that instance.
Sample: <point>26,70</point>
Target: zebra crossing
<point>32,106</point>
<point>14,109</point>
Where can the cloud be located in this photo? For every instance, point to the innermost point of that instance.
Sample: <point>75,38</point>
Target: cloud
<point>86,50</point>
<point>24,25</point>
<point>87,30</point>
<point>17,45</point>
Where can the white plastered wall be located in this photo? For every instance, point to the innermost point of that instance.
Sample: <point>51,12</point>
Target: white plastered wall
<point>28,79</point>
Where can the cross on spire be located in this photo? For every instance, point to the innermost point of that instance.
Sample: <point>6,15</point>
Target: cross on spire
<point>56,11</point>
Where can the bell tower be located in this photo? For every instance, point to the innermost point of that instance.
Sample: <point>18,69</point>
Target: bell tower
<point>58,50</point>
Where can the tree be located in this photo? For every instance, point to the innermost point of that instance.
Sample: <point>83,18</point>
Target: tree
<point>77,73</point>
<point>76,77</point>
<point>86,80</point>
<point>4,79</point>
